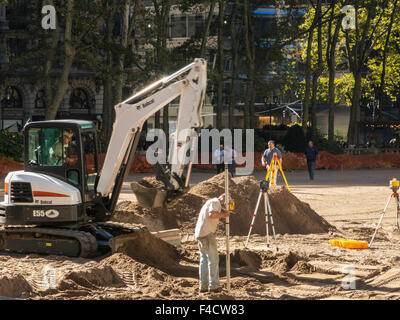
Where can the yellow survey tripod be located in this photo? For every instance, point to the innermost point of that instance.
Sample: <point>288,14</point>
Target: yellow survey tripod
<point>272,172</point>
<point>394,185</point>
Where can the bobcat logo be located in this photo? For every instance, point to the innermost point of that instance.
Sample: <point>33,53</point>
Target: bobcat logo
<point>52,213</point>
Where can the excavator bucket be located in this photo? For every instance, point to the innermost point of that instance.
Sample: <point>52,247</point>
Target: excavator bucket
<point>149,197</point>
<point>145,244</point>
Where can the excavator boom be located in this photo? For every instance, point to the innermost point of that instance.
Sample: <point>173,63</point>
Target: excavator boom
<point>130,116</point>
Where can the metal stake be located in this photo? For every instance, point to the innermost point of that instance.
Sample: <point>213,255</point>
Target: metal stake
<point>228,258</point>
<point>398,212</point>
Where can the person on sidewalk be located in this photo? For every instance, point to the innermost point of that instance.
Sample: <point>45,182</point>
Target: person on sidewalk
<point>206,227</point>
<point>311,153</point>
<point>229,157</point>
<point>219,158</point>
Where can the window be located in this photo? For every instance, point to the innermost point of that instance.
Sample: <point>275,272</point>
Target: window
<point>11,125</point>
<point>195,25</point>
<point>40,102</point>
<point>178,26</point>
<point>79,99</point>
<point>228,65</point>
<point>13,98</point>
<point>89,149</point>
<point>52,147</point>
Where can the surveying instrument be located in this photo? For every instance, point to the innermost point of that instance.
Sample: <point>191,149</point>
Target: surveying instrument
<point>264,185</point>
<point>394,185</point>
<point>272,172</point>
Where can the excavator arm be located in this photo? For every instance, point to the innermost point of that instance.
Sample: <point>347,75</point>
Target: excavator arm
<point>131,114</point>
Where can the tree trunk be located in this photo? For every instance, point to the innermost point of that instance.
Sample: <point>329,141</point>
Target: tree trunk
<point>331,57</point>
<point>314,106</point>
<point>307,91</point>
<point>108,98</point>
<point>48,90</point>
<point>384,60</point>
<point>249,44</point>
<point>207,29</point>
<point>353,133</point>
<point>164,59</point>
<point>252,73</point>
<point>62,83</point>
<point>317,73</point>
<point>220,76</point>
<point>121,56</point>
<point>161,21</point>
<point>235,65</point>
<point>108,109</point>
<point>362,49</point>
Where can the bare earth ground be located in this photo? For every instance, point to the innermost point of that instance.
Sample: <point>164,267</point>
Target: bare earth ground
<point>305,267</point>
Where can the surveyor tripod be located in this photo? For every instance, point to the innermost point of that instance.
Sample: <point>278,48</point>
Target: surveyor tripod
<point>264,185</point>
<point>272,172</point>
<point>394,184</point>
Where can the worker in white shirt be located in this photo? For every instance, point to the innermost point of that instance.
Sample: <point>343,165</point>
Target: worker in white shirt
<point>205,230</point>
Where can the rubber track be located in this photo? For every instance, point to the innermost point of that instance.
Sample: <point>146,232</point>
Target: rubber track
<point>88,243</point>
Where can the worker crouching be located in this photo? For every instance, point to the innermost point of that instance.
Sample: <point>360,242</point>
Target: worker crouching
<point>205,230</point>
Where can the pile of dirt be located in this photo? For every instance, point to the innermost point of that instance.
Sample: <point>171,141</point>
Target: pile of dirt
<point>290,215</point>
<point>148,249</point>
<point>90,278</point>
<point>287,262</point>
<point>151,282</point>
<point>151,182</point>
<point>131,212</point>
<point>303,267</point>
<point>243,258</point>
<point>293,216</point>
<point>120,261</point>
<point>14,286</point>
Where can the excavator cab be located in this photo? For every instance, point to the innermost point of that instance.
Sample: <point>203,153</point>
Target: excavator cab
<point>64,149</point>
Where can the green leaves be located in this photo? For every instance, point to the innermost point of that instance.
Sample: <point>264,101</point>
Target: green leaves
<point>12,145</point>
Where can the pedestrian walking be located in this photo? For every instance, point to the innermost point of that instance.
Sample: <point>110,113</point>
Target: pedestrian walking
<point>311,153</point>
<point>230,156</point>
<point>218,158</point>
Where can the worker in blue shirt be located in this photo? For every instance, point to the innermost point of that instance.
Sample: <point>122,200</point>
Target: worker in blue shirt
<point>267,156</point>
<point>311,153</point>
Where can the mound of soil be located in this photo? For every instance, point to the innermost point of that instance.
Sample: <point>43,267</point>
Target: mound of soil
<point>150,282</point>
<point>14,287</point>
<point>120,261</point>
<point>130,212</point>
<point>151,182</point>
<point>286,262</point>
<point>243,258</point>
<point>290,215</point>
<point>148,249</point>
<point>303,267</point>
<point>91,278</point>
